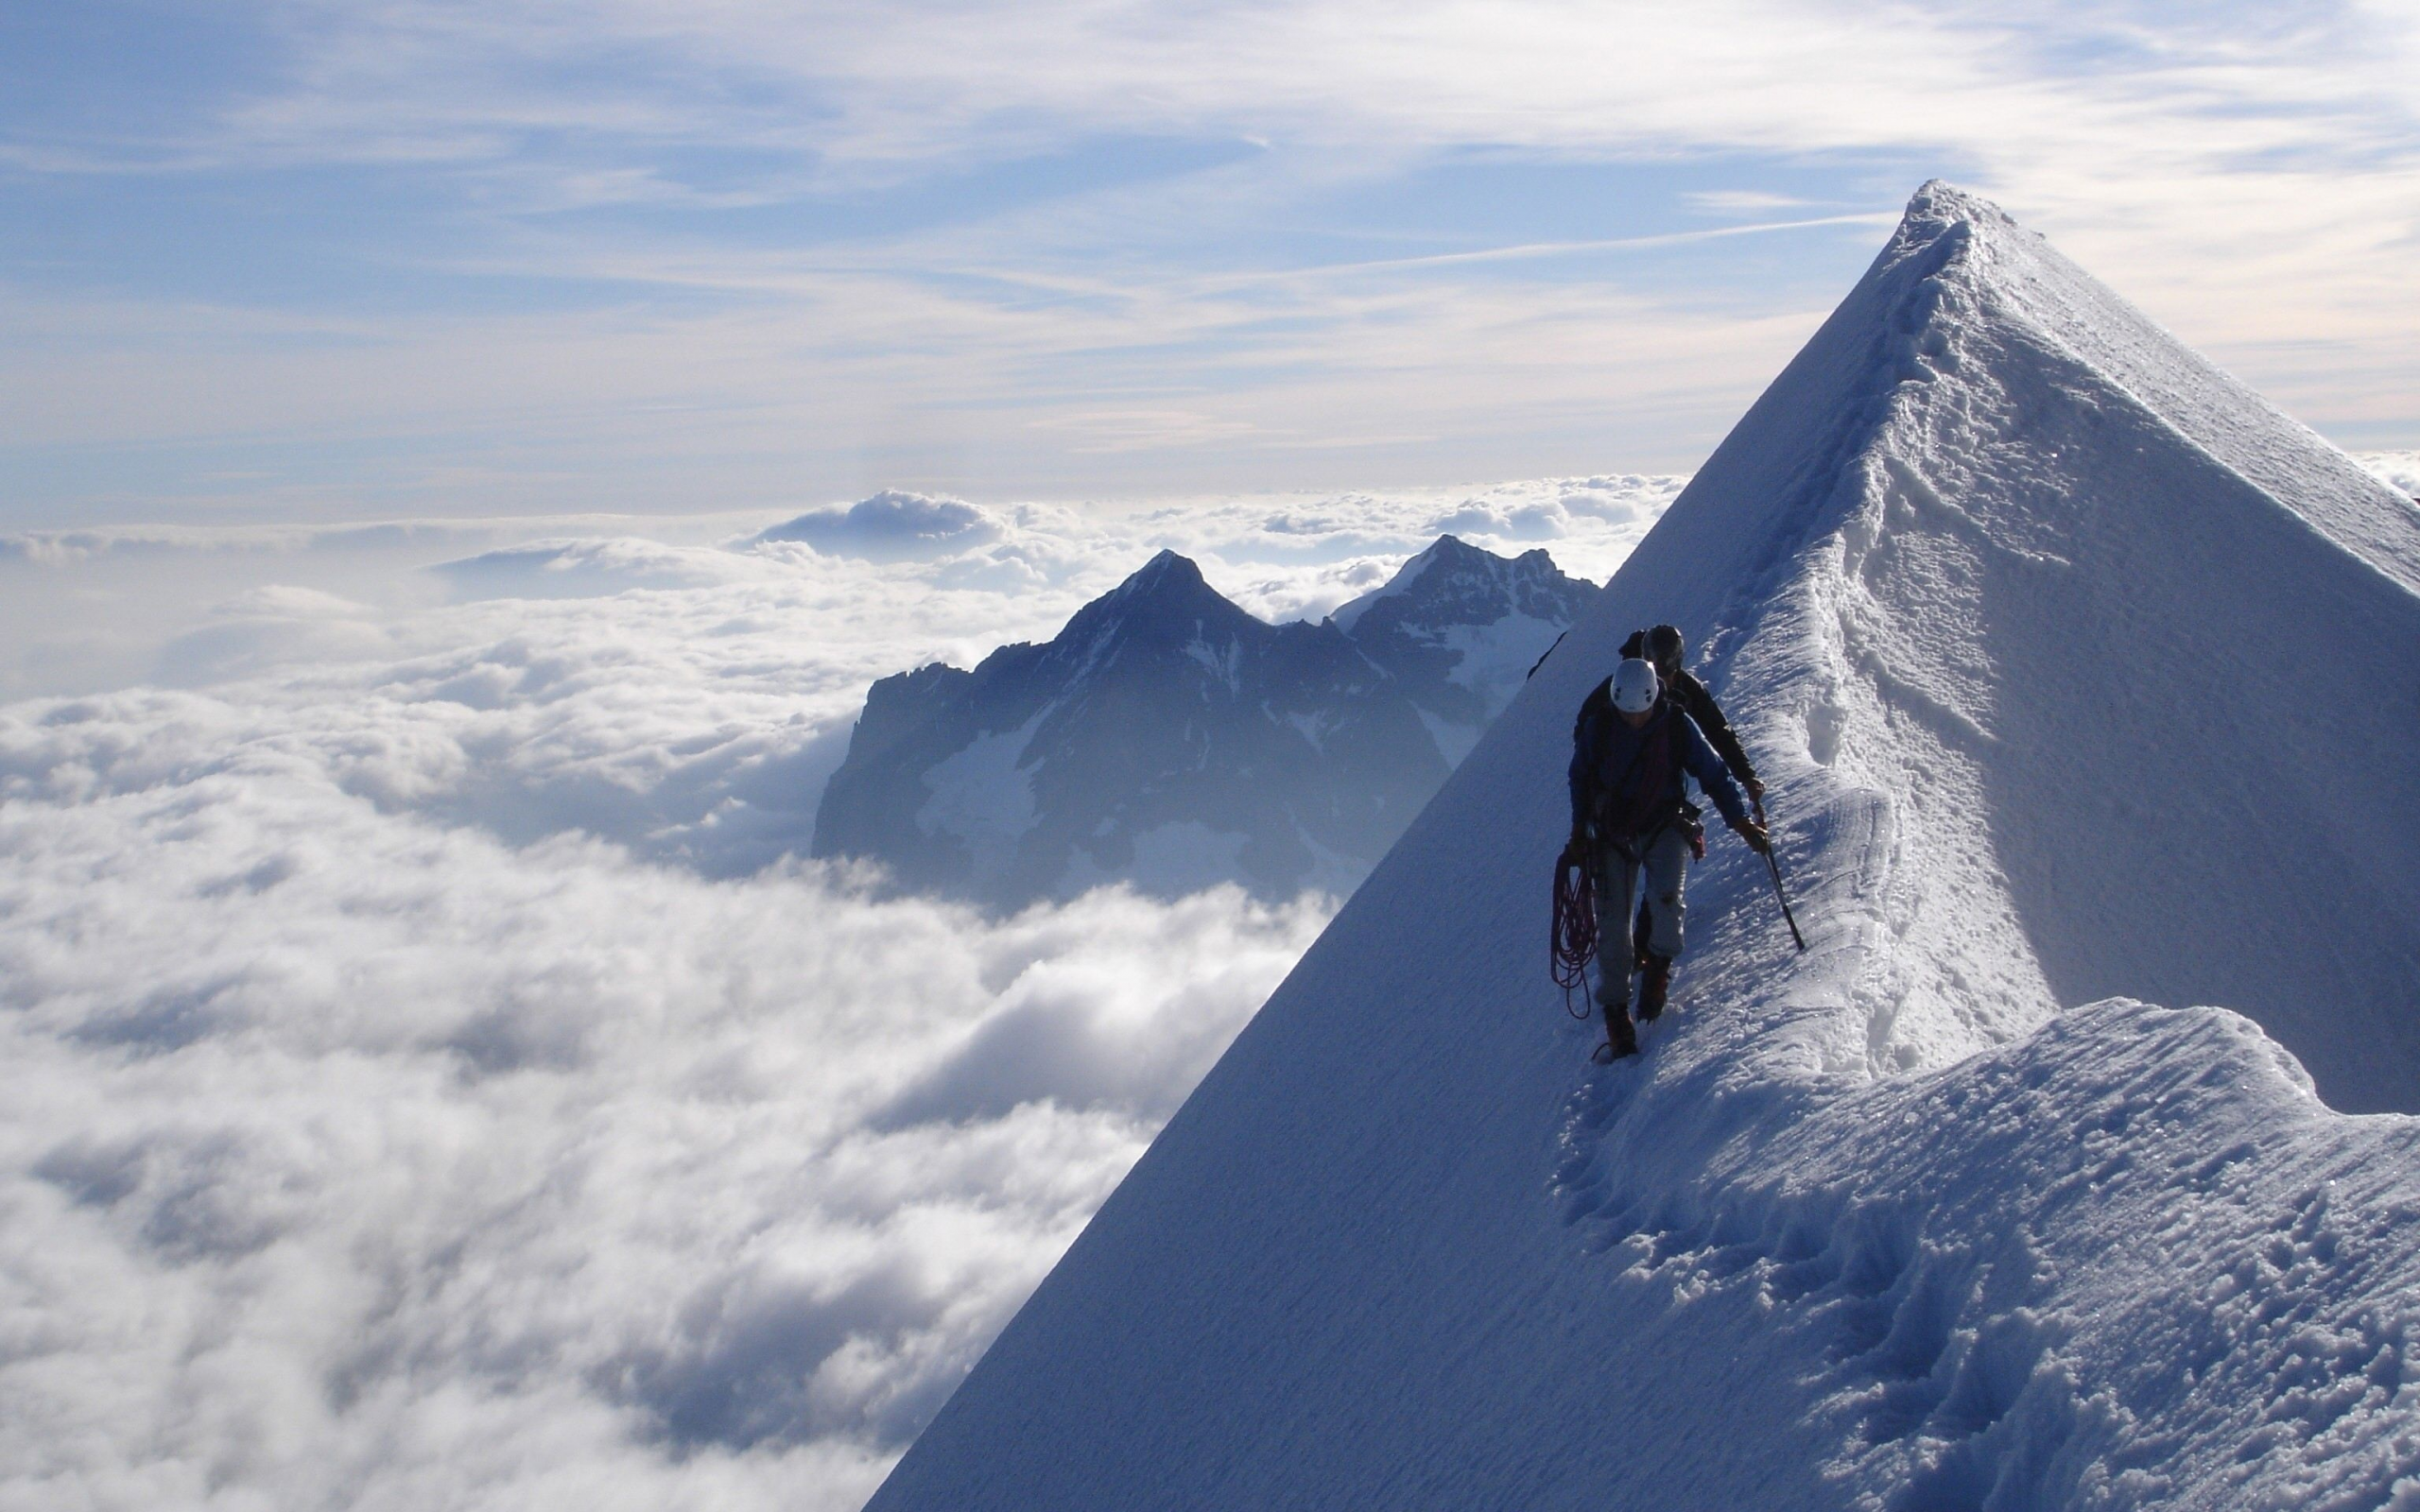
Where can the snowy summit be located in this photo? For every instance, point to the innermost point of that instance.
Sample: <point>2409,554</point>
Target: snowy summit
<point>2083,680</point>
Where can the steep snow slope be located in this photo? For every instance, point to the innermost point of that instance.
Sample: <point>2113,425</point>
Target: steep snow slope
<point>2077,671</point>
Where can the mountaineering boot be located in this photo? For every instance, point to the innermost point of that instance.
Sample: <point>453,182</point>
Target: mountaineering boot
<point>1620,1038</point>
<point>1652,988</point>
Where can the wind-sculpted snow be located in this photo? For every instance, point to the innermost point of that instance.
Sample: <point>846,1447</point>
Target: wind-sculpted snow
<point>2065,1293</point>
<point>2082,680</point>
<point>431,1077</point>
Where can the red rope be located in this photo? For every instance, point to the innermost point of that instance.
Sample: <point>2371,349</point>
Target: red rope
<point>1573,941</point>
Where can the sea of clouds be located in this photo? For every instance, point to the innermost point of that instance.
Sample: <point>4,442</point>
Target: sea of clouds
<point>429,1072</point>
<point>2399,471</point>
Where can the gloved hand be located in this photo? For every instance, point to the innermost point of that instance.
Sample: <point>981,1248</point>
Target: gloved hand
<point>1757,796</point>
<point>1754,835</point>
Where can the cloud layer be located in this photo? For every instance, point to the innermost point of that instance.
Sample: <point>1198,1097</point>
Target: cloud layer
<point>358,1161</point>
<point>425,1081</point>
<point>889,526</point>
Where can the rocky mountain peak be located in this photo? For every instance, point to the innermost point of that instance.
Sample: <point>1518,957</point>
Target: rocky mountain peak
<point>1168,739</point>
<point>1164,597</point>
<point>1453,582</point>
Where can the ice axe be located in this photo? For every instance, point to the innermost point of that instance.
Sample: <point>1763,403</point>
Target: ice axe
<point>1775,866</point>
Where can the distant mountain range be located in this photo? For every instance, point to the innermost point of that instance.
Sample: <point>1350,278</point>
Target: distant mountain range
<point>1170,739</point>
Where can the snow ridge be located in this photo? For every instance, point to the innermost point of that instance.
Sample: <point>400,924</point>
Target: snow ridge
<point>1940,1213</point>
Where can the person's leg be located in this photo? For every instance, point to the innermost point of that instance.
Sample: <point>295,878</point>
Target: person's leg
<point>1666,871</point>
<point>1667,868</point>
<point>1616,894</point>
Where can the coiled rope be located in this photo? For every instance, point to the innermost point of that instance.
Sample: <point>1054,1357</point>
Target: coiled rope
<point>1573,941</point>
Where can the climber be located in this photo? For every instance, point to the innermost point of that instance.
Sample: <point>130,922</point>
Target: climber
<point>1632,747</point>
<point>1661,647</point>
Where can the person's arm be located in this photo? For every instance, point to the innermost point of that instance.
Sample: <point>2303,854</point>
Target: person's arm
<point>1584,761</point>
<point>1715,778</point>
<point>1708,769</point>
<point>1720,735</point>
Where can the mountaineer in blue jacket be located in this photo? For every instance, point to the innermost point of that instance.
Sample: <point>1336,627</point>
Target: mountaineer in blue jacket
<point>1631,750</point>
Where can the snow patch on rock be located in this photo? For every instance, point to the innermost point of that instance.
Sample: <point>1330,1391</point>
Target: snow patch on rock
<point>984,796</point>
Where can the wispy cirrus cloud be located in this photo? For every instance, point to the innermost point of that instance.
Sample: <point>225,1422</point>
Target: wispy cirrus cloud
<point>931,245</point>
<point>873,84</point>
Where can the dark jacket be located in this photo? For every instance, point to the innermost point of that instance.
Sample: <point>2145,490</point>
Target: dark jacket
<point>1609,763</point>
<point>1685,690</point>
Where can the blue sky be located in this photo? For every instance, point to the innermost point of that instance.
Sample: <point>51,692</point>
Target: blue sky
<point>300,260</point>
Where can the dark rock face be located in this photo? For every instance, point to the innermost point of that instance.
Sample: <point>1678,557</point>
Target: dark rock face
<point>1168,739</point>
<point>1459,629</point>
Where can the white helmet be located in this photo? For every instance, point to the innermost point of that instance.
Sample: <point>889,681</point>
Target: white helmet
<point>1635,686</point>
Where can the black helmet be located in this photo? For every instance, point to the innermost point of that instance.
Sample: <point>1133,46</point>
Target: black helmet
<point>1664,645</point>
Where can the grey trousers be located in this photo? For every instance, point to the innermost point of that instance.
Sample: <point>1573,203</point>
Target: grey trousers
<point>1665,868</point>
